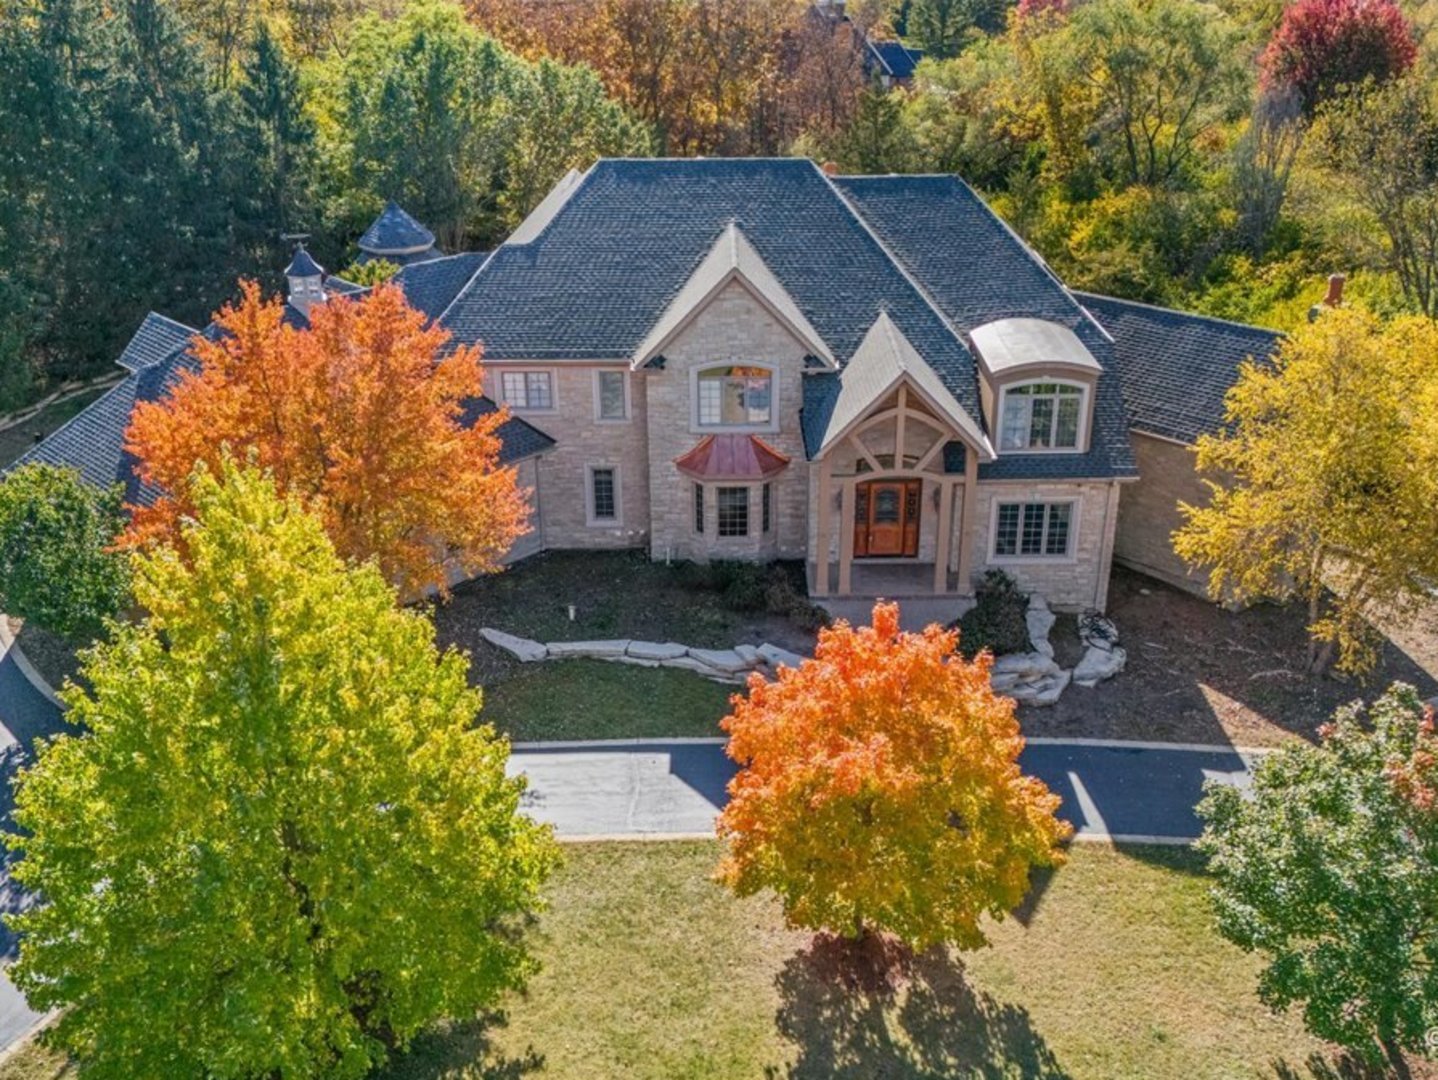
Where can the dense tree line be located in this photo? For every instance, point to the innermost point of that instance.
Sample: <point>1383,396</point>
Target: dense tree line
<point>156,152</point>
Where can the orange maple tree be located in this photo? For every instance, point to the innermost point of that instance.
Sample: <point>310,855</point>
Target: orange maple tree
<point>362,415</point>
<point>879,789</point>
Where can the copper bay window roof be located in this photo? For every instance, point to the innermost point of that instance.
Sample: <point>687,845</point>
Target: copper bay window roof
<point>732,457</point>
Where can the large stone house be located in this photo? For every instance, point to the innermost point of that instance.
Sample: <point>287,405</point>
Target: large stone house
<point>755,359</point>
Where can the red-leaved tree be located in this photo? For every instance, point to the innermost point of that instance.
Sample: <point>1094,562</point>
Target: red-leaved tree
<point>879,790</point>
<point>1324,45</point>
<point>362,415</point>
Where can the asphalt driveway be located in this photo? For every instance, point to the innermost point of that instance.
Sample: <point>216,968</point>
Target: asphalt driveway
<point>1133,792</point>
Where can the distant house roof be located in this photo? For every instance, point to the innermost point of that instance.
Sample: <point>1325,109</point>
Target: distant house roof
<point>157,338</point>
<point>396,237</point>
<point>1175,368</point>
<point>894,58</point>
<point>732,457</point>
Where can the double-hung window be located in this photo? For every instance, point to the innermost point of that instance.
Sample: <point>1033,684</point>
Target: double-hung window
<point>735,397</point>
<point>528,389</point>
<point>733,510</point>
<point>1041,416</point>
<point>1033,529</point>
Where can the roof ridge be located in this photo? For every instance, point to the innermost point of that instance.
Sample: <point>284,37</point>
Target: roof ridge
<point>1181,312</point>
<point>904,271</point>
<point>174,322</point>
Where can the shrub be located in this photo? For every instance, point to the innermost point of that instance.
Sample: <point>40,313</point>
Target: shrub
<point>1323,45</point>
<point>997,621</point>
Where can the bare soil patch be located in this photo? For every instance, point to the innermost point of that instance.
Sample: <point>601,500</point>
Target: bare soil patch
<point>1200,673</point>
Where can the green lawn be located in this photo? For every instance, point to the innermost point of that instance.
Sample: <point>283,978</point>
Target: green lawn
<point>596,699</point>
<point>652,971</point>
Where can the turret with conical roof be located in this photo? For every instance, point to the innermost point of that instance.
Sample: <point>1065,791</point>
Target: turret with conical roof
<point>396,237</point>
<point>306,280</point>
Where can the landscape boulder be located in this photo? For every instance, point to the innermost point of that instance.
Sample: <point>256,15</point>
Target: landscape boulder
<point>521,648</point>
<point>1099,663</point>
<point>656,650</point>
<point>597,650</point>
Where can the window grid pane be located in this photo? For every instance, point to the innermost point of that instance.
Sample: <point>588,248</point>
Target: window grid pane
<point>1007,534</point>
<point>611,395</point>
<point>768,512</point>
<point>513,386</point>
<point>536,389</point>
<point>1056,542</point>
<point>1041,416</point>
<point>735,397</point>
<point>733,511</point>
<point>1032,540</point>
<point>602,484</point>
<point>1033,529</point>
<point>699,508</point>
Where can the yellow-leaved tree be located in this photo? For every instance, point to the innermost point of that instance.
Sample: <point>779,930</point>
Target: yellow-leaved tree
<point>879,790</point>
<point>1324,485</point>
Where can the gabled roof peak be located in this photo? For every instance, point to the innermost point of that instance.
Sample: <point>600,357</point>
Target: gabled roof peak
<point>731,257</point>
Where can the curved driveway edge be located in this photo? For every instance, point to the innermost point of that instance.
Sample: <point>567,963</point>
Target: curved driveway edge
<point>1141,793</point>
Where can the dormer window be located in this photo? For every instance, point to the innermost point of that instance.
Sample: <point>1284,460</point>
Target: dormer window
<point>735,397</point>
<point>1042,416</point>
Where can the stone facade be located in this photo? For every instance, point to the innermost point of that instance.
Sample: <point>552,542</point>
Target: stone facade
<point>734,328</point>
<point>1149,512</point>
<point>657,500</point>
<point>1073,583</point>
<point>585,442</point>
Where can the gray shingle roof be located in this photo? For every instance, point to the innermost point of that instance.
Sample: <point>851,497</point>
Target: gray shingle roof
<point>1175,368</point>
<point>602,272</point>
<point>430,286</point>
<point>303,265</point>
<point>93,441</point>
<point>977,270</point>
<point>395,236</point>
<point>895,58</point>
<point>519,439</point>
<point>157,338</point>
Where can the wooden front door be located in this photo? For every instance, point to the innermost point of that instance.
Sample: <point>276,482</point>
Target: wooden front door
<point>886,518</point>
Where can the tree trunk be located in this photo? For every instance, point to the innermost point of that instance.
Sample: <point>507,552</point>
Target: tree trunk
<point>1397,1063</point>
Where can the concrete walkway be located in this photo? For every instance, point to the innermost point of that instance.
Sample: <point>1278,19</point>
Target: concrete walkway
<point>1115,791</point>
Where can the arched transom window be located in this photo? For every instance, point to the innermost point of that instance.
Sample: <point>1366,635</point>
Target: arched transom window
<point>1042,416</point>
<point>735,396</point>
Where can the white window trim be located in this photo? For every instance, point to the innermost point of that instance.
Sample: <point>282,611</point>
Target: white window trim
<point>553,388</point>
<point>1080,447</point>
<point>599,418</point>
<point>597,522</point>
<point>696,428</point>
<point>1075,503</point>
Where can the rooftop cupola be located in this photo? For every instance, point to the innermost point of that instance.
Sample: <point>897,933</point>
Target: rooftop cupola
<point>306,280</point>
<point>396,237</point>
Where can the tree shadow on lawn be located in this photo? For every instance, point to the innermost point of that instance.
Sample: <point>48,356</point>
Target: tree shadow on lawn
<point>925,1022</point>
<point>1341,1067</point>
<point>462,1050</point>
